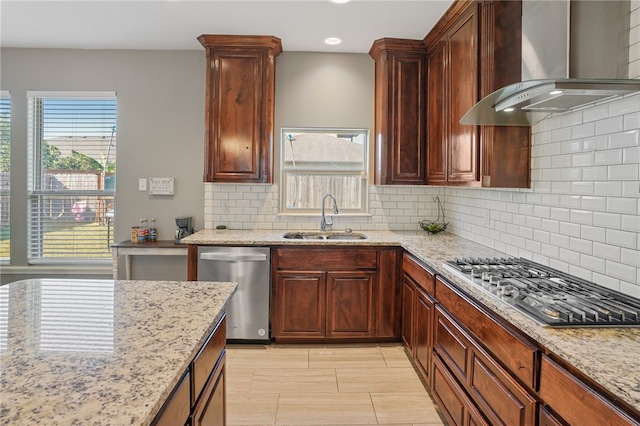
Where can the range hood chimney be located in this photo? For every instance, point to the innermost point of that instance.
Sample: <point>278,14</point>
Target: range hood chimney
<point>574,53</point>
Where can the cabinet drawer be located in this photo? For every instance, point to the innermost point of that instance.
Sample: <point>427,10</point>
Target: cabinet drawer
<point>452,399</point>
<point>421,276</point>
<point>452,345</point>
<point>326,259</point>
<point>206,360</point>
<point>517,354</point>
<point>576,402</point>
<point>178,407</point>
<point>498,395</point>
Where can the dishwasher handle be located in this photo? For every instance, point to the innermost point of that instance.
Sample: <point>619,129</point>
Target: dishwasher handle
<point>234,257</point>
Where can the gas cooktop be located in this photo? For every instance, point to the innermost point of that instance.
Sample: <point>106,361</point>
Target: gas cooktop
<point>549,297</point>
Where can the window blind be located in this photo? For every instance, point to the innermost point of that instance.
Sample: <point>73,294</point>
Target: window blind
<point>72,166</point>
<point>5,174</point>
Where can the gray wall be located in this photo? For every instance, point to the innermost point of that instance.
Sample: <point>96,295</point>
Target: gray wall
<point>161,128</point>
<point>160,134</point>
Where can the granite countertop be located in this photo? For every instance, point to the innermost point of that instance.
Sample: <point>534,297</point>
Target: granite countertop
<point>99,352</point>
<point>609,356</point>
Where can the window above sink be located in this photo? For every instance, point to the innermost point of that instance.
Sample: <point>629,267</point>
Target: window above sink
<point>315,162</point>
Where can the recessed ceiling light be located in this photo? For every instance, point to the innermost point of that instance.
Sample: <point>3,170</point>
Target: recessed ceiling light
<point>555,92</point>
<point>508,109</point>
<point>332,40</point>
<point>340,1</point>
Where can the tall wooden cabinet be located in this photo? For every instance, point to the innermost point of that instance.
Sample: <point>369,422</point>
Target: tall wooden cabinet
<point>472,51</point>
<point>400,93</point>
<point>453,74</point>
<point>239,107</point>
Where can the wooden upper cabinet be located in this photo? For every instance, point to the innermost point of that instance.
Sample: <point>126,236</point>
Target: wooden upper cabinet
<point>437,111</point>
<point>239,107</point>
<point>474,50</point>
<point>506,150</point>
<point>400,101</point>
<point>453,149</point>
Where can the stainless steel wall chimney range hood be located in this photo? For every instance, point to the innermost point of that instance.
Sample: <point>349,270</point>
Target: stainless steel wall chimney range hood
<point>574,53</point>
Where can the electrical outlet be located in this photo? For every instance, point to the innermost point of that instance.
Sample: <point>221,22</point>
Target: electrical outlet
<point>142,184</point>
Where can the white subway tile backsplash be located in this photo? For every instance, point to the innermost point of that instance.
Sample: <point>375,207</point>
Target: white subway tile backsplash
<point>582,159</point>
<point>625,105</point>
<point>596,173</point>
<point>621,271</point>
<point>595,113</point>
<point>593,233</point>
<point>609,189</point>
<point>607,157</point>
<point>630,257</point>
<point>631,223</point>
<point>632,121</point>
<point>569,256</point>
<point>609,125</point>
<point>624,172</point>
<point>581,245</point>
<point>607,220</point>
<point>582,188</point>
<point>581,131</point>
<point>582,217</point>
<point>593,263</point>
<point>625,139</point>
<point>606,251</point>
<point>631,155</point>
<point>621,238</point>
<point>622,205</point>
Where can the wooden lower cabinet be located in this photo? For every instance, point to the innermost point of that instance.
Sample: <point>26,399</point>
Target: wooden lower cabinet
<point>451,398</point>
<point>417,314</point>
<point>493,389</point>
<point>210,410</point>
<point>334,294</point>
<point>300,301</point>
<point>200,396</point>
<point>576,402</point>
<point>350,304</point>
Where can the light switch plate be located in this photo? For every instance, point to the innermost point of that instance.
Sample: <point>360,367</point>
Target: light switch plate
<point>142,184</point>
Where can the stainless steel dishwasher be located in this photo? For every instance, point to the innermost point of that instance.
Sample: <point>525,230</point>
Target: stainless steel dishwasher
<point>248,309</point>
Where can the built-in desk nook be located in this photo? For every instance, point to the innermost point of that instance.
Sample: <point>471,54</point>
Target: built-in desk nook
<point>156,248</point>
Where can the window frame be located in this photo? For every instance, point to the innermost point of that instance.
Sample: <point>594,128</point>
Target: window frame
<point>363,173</point>
<point>36,174</point>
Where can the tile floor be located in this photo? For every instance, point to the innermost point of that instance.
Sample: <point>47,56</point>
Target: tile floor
<point>325,385</point>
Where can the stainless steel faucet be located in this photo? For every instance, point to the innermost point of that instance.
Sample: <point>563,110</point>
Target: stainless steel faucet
<point>323,221</point>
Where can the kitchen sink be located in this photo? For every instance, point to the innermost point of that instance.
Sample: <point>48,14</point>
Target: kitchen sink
<point>324,236</point>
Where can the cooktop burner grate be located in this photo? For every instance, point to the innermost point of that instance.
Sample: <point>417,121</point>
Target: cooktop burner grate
<point>548,296</point>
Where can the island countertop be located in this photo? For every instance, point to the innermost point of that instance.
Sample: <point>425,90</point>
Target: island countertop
<point>99,352</point>
<point>609,356</point>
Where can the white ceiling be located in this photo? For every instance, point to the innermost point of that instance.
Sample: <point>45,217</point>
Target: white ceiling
<point>175,24</point>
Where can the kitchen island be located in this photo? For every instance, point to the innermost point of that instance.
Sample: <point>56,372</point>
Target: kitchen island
<point>610,357</point>
<point>79,352</point>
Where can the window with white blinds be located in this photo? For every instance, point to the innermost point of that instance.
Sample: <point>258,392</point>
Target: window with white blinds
<point>72,172</point>
<point>5,174</point>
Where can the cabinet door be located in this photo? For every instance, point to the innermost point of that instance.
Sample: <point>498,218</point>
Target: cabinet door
<point>399,111</point>
<point>388,302</point>
<point>463,157</point>
<point>177,408</point>
<point>299,305</point>
<point>350,304</point>
<point>408,312</point>
<point>234,145</point>
<point>210,409</point>
<point>437,115</point>
<point>406,149</point>
<point>424,332</point>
